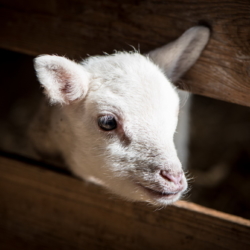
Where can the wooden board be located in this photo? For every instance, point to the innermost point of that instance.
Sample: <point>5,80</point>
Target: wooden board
<point>80,27</point>
<point>42,209</point>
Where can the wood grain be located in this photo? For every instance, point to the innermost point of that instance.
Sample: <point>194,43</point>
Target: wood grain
<point>41,209</point>
<point>80,27</point>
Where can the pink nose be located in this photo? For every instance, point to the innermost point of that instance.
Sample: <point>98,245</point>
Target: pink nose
<point>172,177</point>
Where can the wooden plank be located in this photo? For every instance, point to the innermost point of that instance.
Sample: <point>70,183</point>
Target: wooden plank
<point>42,209</point>
<point>80,27</point>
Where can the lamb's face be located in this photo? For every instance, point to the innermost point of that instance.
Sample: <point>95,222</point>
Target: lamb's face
<point>122,112</point>
<point>126,129</point>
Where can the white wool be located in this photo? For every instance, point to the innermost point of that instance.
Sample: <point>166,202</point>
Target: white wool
<point>130,159</point>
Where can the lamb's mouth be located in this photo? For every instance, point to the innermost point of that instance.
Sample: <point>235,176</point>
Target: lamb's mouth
<point>160,194</point>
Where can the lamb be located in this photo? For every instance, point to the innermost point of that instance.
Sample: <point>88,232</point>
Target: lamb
<point>114,117</point>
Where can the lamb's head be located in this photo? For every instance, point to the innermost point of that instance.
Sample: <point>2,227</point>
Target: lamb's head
<point>121,111</point>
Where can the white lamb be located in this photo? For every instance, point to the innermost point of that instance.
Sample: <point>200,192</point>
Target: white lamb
<point>114,117</point>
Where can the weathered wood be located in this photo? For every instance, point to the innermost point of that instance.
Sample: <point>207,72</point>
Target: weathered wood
<point>41,209</point>
<point>80,27</point>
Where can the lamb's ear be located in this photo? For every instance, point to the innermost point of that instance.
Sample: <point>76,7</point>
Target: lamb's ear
<point>64,81</point>
<point>178,56</point>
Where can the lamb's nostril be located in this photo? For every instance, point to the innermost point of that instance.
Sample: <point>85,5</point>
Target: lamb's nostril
<point>172,177</point>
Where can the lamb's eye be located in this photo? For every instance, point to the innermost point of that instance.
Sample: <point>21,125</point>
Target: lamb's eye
<point>107,122</point>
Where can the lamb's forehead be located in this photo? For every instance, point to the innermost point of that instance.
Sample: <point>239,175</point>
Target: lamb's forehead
<point>126,73</point>
<point>122,67</point>
<point>132,78</point>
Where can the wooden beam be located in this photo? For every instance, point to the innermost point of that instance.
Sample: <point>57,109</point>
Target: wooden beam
<point>80,27</point>
<point>42,209</point>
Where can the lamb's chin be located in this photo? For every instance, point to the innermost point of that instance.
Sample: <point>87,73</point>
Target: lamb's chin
<point>135,192</point>
<point>163,201</point>
<point>160,198</point>
<point>132,191</point>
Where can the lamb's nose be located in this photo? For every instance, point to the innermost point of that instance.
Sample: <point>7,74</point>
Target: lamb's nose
<point>172,177</point>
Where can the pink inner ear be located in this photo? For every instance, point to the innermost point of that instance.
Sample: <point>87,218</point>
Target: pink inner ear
<point>63,78</point>
<point>66,89</point>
